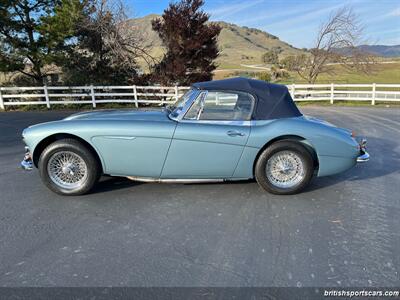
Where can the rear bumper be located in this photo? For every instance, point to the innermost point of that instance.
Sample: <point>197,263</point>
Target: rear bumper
<point>364,155</point>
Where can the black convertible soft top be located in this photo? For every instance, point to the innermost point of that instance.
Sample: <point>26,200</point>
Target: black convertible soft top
<point>273,101</point>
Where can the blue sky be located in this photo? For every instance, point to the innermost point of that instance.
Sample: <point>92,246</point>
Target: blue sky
<point>294,21</point>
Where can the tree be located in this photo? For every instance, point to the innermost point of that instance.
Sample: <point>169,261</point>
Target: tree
<point>290,62</point>
<point>264,76</point>
<point>270,57</point>
<point>278,74</point>
<point>107,49</point>
<point>341,31</point>
<point>190,42</point>
<point>35,33</point>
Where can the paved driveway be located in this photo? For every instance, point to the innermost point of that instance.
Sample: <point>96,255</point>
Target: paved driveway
<point>342,231</point>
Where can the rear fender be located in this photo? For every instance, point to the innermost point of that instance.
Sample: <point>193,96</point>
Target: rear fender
<point>335,149</point>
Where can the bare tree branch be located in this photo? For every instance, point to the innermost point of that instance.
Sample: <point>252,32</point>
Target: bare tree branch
<point>336,41</point>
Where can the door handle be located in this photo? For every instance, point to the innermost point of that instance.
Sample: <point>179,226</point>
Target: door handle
<point>234,133</point>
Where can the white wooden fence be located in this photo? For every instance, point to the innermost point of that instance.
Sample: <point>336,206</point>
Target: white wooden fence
<point>158,95</point>
<point>373,92</point>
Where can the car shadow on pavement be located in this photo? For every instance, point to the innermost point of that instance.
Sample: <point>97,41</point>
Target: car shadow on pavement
<point>108,184</point>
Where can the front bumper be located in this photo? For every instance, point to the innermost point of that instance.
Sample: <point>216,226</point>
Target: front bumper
<point>364,155</point>
<point>27,163</point>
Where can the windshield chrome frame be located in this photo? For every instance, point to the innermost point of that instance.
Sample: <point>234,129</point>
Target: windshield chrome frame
<point>187,106</point>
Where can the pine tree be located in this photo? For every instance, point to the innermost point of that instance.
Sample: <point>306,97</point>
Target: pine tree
<point>35,33</point>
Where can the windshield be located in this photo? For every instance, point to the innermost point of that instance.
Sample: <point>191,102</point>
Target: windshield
<point>177,107</point>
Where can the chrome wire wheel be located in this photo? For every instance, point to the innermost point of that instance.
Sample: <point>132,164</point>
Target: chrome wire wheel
<point>67,170</point>
<point>285,169</point>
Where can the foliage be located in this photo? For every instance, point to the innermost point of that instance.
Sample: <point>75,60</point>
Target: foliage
<point>191,44</point>
<point>106,50</point>
<point>264,76</point>
<point>35,33</point>
<point>243,73</point>
<point>278,74</point>
<point>270,57</point>
<point>290,62</point>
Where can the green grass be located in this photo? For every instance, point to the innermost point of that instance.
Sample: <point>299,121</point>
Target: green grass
<point>382,73</point>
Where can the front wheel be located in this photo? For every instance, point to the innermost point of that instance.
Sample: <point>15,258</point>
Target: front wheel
<point>67,167</point>
<point>284,168</point>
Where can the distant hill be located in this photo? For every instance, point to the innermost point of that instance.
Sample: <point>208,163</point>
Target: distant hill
<point>382,50</point>
<point>238,45</point>
<point>378,50</point>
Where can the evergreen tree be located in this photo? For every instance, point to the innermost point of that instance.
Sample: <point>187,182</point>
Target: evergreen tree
<point>35,33</point>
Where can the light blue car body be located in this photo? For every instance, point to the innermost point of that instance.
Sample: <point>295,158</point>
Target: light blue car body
<point>150,144</point>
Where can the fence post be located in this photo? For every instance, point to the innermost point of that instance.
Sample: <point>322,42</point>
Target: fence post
<point>373,93</point>
<point>46,95</point>
<point>93,96</point>
<point>135,95</point>
<point>176,93</point>
<point>162,97</point>
<point>292,90</point>
<point>332,92</point>
<point>1,100</point>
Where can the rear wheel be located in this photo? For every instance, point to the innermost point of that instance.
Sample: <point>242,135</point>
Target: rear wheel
<point>286,167</point>
<point>67,167</point>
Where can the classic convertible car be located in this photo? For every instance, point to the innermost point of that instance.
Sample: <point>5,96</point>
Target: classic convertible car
<point>233,129</point>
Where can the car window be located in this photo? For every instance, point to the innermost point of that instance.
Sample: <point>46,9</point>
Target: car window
<point>177,107</point>
<point>223,106</point>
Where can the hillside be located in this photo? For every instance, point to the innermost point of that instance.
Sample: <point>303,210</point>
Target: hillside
<point>378,50</point>
<point>238,45</point>
<point>382,50</point>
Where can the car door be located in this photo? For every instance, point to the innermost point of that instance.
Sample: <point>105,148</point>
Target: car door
<point>209,140</point>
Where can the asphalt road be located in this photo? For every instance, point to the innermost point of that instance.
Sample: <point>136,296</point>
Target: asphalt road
<point>342,231</point>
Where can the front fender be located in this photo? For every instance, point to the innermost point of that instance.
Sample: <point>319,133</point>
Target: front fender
<point>122,145</point>
<point>34,135</point>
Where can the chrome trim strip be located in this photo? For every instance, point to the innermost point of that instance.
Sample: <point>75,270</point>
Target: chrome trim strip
<point>216,122</point>
<point>117,137</point>
<point>182,180</point>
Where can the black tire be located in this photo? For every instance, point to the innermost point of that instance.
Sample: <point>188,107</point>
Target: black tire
<point>284,145</point>
<point>93,169</point>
